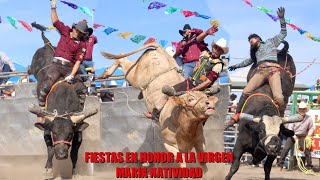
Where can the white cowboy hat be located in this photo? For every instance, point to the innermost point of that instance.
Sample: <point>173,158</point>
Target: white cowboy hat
<point>303,105</point>
<point>222,43</point>
<point>113,83</point>
<point>170,51</point>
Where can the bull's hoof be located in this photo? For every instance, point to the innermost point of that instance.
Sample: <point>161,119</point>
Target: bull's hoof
<point>48,173</point>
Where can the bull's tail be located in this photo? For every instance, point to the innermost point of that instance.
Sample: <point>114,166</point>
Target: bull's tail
<point>38,26</point>
<point>285,48</point>
<point>112,56</point>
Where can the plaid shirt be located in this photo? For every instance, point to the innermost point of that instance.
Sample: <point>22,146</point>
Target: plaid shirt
<point>268,49</point>
<point>5,60</point>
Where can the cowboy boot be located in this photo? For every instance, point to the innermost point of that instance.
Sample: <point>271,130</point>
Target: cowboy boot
<point>236,116</point>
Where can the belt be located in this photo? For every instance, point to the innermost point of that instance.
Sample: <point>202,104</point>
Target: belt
<point>68,63</point>
<point>268,64</point>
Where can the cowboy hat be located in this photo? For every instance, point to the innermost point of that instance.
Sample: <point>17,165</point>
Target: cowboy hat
<point>113,83</point>
<point>82,26</point>
<point>303,105</point>
<point>222,43</point>
<point>185,28</point>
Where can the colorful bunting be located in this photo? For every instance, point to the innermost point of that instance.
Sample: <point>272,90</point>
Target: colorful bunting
<point>109,30</point>
<point>175,44</point>
<point>150,40</point>
<point>187,13</point>
<point>274,18</point>
<point>96,26</point>
<point>70,4</point>
<point>301,31</point>
<point>202,16</point>
<point>263,9</point>
<point>12,21</point>
<point>214,23</point>
<point>248,2</point>
<point>0,20</point>
<point>294,27</point>
<point>156,5</point>
<point>171,10</point>
<point>86,10</point>
<point>308,35</point>
<point>26,25</point>
<point>125,35</point>
<point>137,38</point>
<point>163,43</point>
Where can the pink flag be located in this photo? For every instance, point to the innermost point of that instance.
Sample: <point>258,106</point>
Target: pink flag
<point>150,40</point>
<point>248,2</point>
<point>26,25</point>
<point>97,26</point>
<point>293,26</point>
<point>187,13</point>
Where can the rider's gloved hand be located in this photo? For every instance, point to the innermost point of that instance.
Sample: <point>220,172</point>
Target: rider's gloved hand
<point>53,3</point>
<point>232,68</point>
<point>69,78</point>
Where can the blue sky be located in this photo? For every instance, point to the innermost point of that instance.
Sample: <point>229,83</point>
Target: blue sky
<point>237,21</point>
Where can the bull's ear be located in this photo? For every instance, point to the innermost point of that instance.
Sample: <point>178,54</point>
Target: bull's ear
<point>81,126</point>
<point>286,132</point>
<point>42,126</point>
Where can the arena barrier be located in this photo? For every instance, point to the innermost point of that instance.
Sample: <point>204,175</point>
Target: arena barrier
<point>115,128</point>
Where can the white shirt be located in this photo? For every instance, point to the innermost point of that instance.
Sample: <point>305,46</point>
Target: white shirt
<point>5,60</point>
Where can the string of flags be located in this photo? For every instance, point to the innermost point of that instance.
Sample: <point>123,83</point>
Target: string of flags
<point>288,22</point>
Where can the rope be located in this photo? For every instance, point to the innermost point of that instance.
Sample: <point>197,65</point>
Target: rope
<point>51,89</point>
<point>49,44</point>
<point>260,94</point>
<point>304,68</point>
<point>300,162</point>
<point>129,105</point>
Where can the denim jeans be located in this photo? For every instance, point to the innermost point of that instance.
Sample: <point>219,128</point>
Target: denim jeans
<point>6,68</point>
<point>188,68</point>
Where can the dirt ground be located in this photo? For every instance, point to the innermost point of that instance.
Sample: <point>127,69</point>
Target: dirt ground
<point>31,168</point>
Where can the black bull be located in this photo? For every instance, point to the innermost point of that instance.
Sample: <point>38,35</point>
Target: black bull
<point>61,129</point>
<point>259,138</point>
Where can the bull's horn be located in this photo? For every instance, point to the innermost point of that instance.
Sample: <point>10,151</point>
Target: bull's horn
<point>292,119</point>
<point>112,56</point>
<point>250,117</point>
<point>35,109</point>
<point>83,115</point>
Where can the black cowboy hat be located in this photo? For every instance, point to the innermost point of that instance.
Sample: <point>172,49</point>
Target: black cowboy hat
<point>254,36</point>
<point>185,28</point>
<point>82,26</point>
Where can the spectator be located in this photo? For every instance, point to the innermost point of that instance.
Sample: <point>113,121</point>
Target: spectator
<point>6,65</point>
<point>8,91</point>
<point>108,96</point>
<point>303,131</point>
<point>232,103</point>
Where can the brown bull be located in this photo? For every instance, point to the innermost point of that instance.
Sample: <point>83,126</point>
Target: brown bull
<point>181,117</point>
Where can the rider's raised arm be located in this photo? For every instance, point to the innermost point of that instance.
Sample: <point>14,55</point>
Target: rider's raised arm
<point>283,33</point>
<point>54,16</point>
<point>244,63</point>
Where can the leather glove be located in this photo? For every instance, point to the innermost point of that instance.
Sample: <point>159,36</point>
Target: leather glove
<point>69,78</point>
<point>53,3</point>
<point>281,12</point>
<point>232,68</point>
<point>308,141</point>
<point>212,30</point>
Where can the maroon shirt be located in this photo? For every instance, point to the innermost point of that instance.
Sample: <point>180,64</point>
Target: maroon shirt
<point>69,48</point>
<point>90,43</point>
<point>192,50</point>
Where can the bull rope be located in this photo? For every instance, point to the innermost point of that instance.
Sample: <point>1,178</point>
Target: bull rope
<point>300,161</point>
<point>129,105</point>
<point>260,94</point>
<point>51,89</point>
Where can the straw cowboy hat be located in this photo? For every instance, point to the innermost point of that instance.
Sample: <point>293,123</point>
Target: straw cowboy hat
<point>170,51</point>
<point>222,43</point>
<point>185,28</point>
<point>113,83</point>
